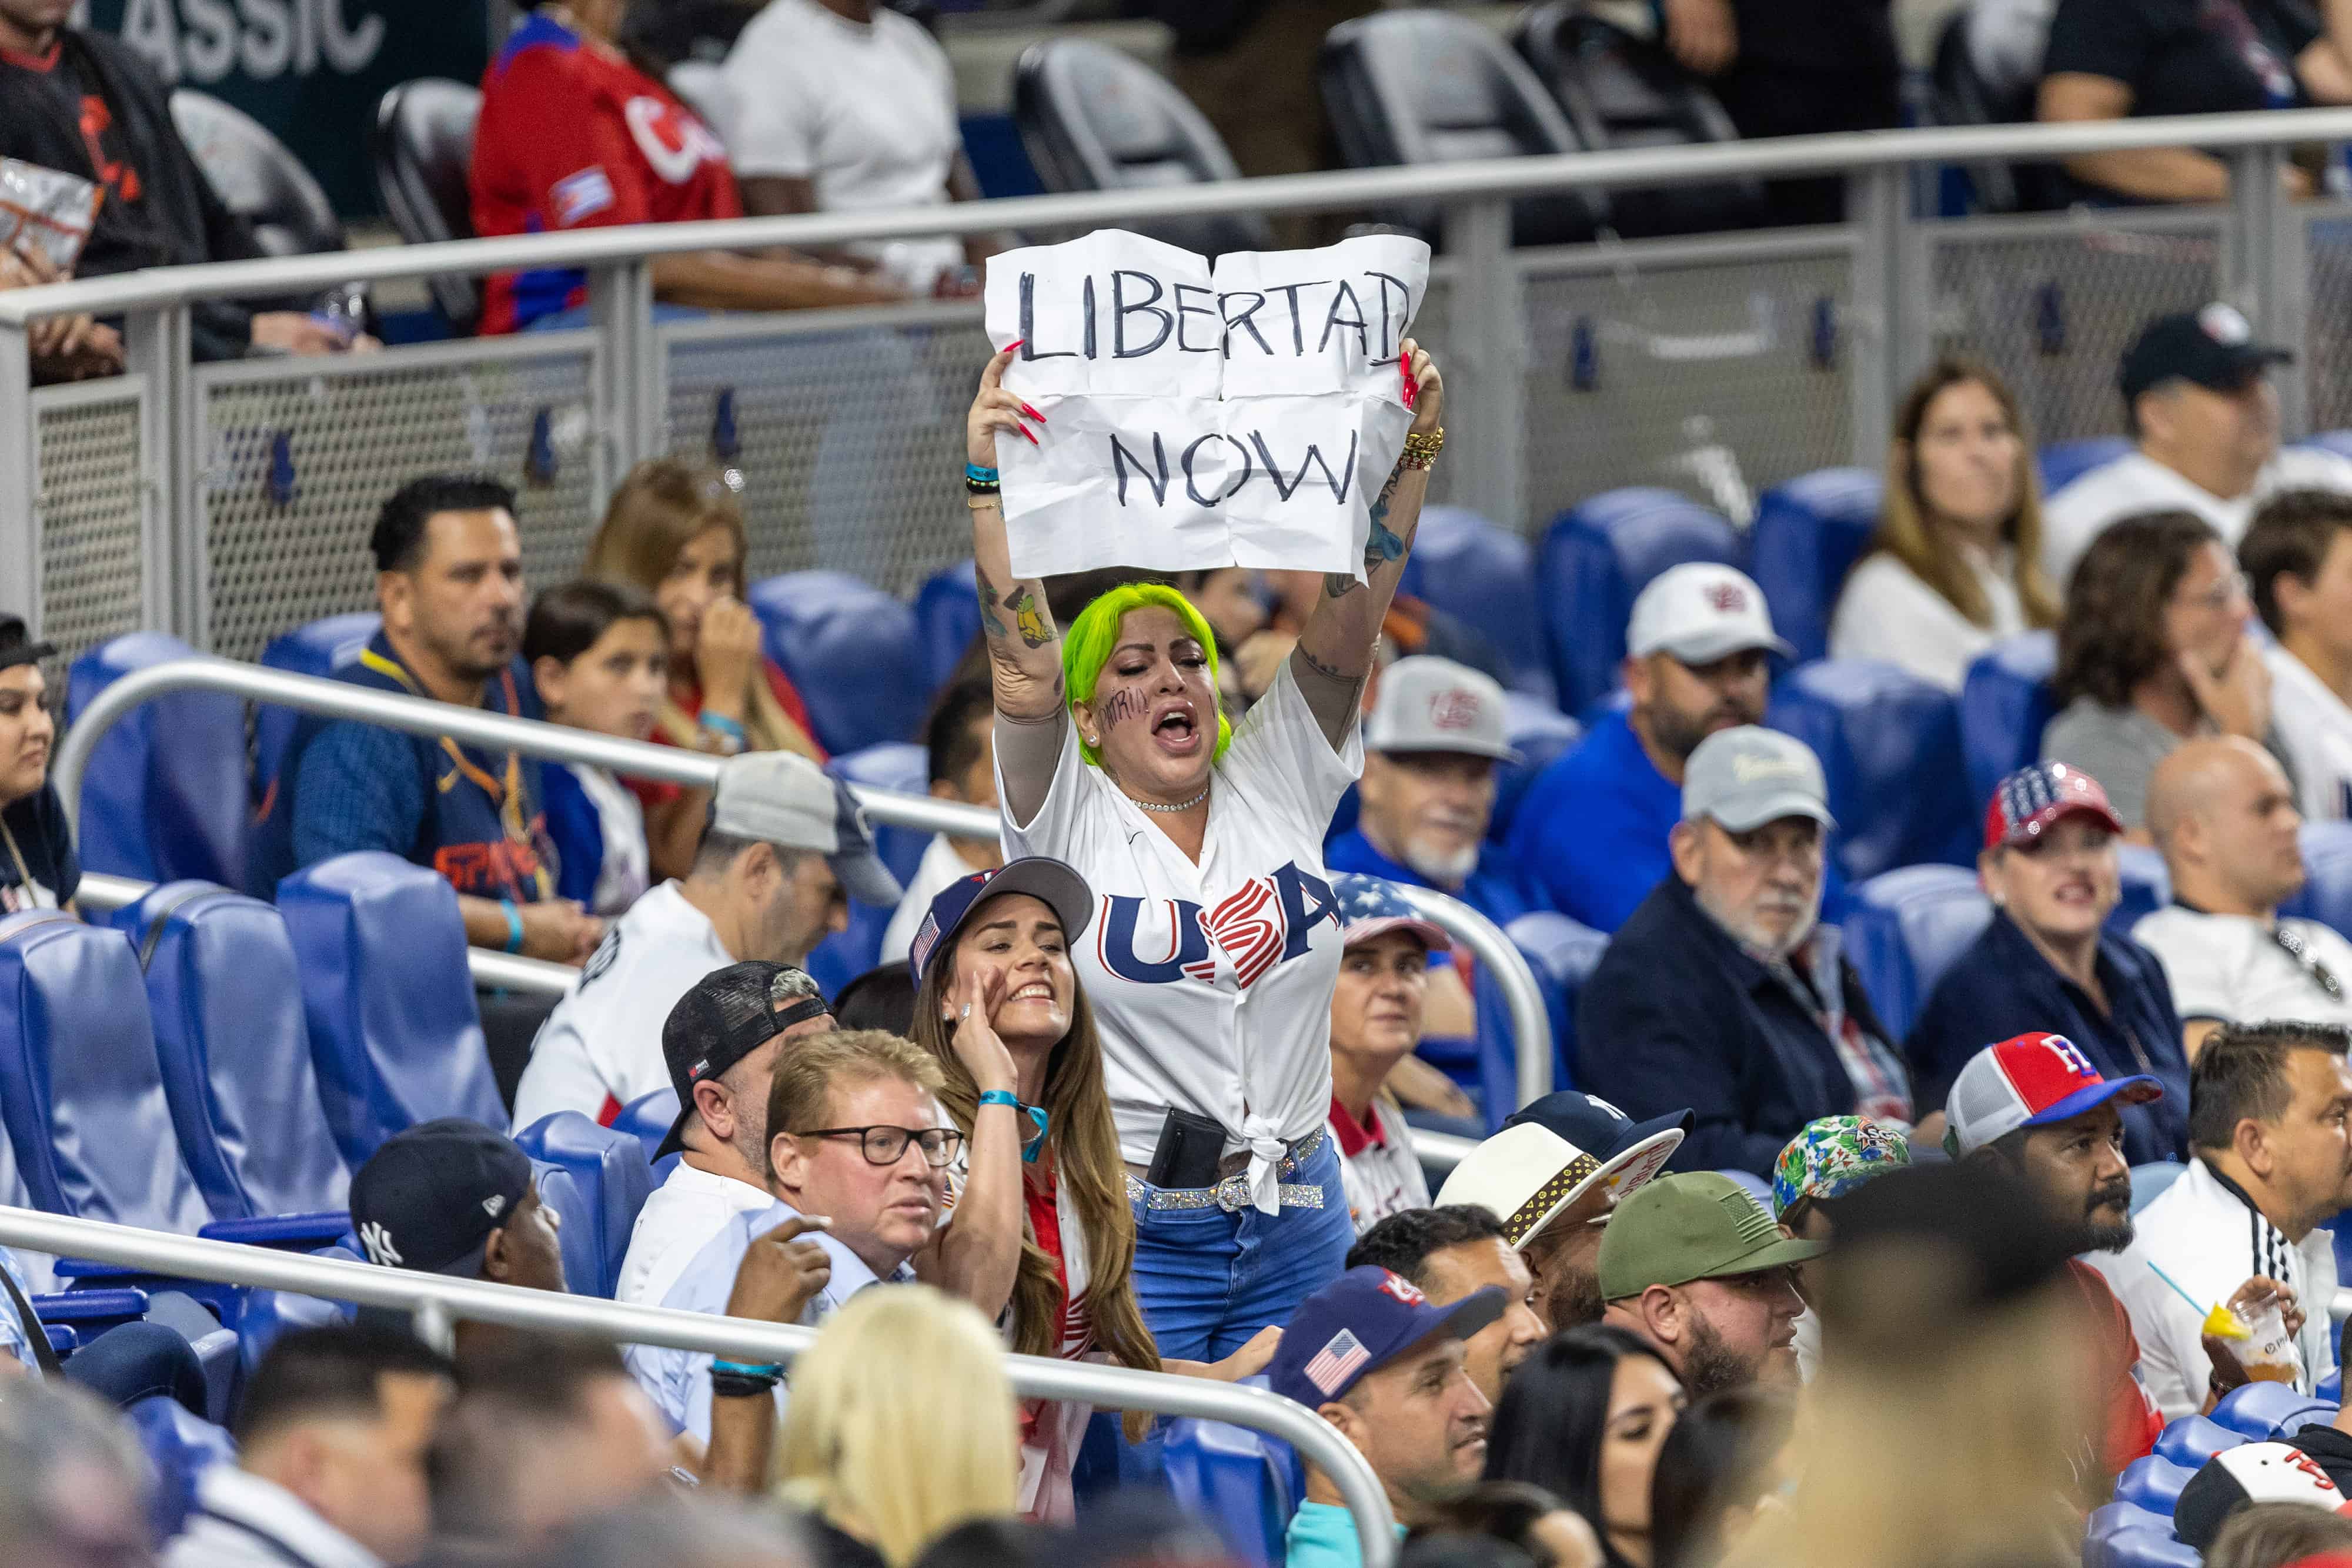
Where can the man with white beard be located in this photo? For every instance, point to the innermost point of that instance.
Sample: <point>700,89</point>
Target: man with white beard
<point>1725,992</point>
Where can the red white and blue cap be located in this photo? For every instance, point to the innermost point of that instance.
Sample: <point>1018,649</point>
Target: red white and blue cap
<point>1063,891</point>
<point>2025,803</point>
<point>1372,907</point>
<point>2033,1081</point>
<point>1359,1323</point>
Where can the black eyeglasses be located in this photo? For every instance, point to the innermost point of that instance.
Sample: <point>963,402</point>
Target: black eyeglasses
<point>2296,948</point>
<point>888,1146</point>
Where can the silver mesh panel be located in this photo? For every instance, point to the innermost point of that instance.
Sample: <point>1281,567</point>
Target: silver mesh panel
<point>280,559</point>
<point>90,508</point>
<point>2326,347</point>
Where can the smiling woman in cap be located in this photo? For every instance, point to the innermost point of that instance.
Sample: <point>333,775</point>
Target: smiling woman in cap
<point>2048,962</point>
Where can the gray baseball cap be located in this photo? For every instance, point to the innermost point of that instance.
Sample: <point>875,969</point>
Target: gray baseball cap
<point>1428,704</point>
<point>1747,777</point>
<point>781,799</point>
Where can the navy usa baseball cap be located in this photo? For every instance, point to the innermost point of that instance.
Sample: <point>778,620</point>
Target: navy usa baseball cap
<point>1059,888</point>
<point>1359,1323</point>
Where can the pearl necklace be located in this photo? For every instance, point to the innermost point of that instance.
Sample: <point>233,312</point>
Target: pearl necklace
<point>1179,806</point>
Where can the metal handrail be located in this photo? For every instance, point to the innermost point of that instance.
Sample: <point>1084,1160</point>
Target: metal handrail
<point>436,1296</point>
<point>1842,153</point>
<point>1530,1021</point>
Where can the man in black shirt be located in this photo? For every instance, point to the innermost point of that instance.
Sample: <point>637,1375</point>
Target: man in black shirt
<point>88,104</point>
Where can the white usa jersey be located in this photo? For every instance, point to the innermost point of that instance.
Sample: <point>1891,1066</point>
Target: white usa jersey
<point>1212,983</point>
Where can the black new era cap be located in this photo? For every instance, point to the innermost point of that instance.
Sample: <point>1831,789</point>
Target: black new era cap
<point>2213,347</point>
<point>729,1014</point>
<point>430,1196</point>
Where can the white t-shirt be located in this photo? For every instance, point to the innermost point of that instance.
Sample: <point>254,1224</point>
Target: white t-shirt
<point>680,1217</point>
<point>940,866</point>
<point>602,1045</point>
<point>864,111</point>
<point>1378,1168</point>
<point>1887,613</point>
<point>2226,966</point>
<point>626,872</point>
<point>1210,983</point>
<point>2135,483</point>
<point>2312,725</point>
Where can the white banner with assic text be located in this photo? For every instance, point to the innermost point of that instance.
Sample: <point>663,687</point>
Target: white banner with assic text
<point>1244,414</point>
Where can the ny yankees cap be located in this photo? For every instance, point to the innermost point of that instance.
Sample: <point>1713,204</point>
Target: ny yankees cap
<point>1059,888</point>
<point>1700,612</point>
<point>2030,1081</point>
<point>1555,1150</point>
<point>1371,908</point>
<point>1359,1323</point>
<point>723,1018</point>
<point>2025,803</point>
<point>1695,1225</point>
<point>1748,776</point>
<point>1428,704</point>
<point>430,1196</point>
<point>2240,1478</point>
<point>2213,347</point>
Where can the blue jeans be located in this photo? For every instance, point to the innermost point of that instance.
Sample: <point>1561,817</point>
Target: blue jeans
<point>1207,1280</point>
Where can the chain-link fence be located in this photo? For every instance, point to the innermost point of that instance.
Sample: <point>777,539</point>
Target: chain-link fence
<point>2326,346</point>
<point>92,510</point>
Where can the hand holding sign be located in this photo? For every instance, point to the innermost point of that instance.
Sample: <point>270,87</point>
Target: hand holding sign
<point>1157,412</point>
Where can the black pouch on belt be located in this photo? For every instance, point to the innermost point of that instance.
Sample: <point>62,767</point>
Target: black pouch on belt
<point>1190,1148</point>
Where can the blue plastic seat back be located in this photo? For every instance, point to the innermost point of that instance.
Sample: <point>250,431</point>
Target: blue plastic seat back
<point>2331,1386</point>
<point>947,616</point>
<point>608,1169</point>
<point>1809,533</point>
<point>2265,1411</point>
<point>1595,558</point>
<point>2153,1483</point>
<point>1890,747</point>
<point>2147,886</point>
<point>1539,733</point>
<point>576,1229</point>
<point>226,1004</point>
<point>648,1119</point>
<point>181,1446</point>
<point>1902,930</point>
<point>2114,1517</point>
<point>853,652</point>
<point>1563,954</point>
<point>1483,575</point>
<point>2148,1181</point>
<point>165,794</point>
<point>2193,1439</point>
<point>81,1091</point>
<point>2148,1549</point>
<point>2005,705</point>
<point>2327,894</point>
<point>2339,441</point>
<point>269,1313</point>
<point>2063,461</point>
<point>395,1032</point>
<point>318,649</point>
<point>1249,1483</point>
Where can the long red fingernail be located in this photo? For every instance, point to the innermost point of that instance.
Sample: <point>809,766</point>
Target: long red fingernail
<point>1014,344</point>
<point>1032,414</point>
<point>1033,439</point>
<point>1405,366</point>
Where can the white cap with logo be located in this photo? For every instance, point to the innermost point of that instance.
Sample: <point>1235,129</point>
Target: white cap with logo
<point>1700,612</point>
<point>1428,704</point>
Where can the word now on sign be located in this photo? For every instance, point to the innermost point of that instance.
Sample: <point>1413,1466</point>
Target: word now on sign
<point>1244,413</point>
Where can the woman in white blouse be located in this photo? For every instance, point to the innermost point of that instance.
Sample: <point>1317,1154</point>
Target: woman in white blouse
<point>1955,561</point>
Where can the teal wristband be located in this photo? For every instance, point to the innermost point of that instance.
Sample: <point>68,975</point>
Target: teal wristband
<point>749,1369</point>
<point>974,473</point>
<point>723,724</point>
<point>1000,1097</point>
<point>514,925</point>
<point>1037,1118</point>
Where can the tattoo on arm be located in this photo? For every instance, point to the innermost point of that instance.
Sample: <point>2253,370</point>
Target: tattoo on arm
<point>989,620</point>
<point>1354,684</point>
<point>1381,545</point>
<point>1031,616</point>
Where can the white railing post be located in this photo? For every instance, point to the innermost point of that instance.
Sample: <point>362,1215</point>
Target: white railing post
<point>2262,269</point>
<point>20,479</point>
<point>631,380</point>
<point>176,576</point>
<point>1486,339</point>
<point>1885,329</point>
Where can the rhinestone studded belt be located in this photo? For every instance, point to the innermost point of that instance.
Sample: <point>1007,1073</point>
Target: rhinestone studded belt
<point>1233,1194</point>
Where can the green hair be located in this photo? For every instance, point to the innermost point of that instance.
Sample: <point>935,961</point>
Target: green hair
<point>1086,645</point>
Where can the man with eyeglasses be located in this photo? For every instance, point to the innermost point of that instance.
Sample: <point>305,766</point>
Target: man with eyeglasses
<point>2224,813</point>
<point>856,1140</point>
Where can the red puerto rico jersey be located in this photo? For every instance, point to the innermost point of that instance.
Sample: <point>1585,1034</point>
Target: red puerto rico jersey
<point>573,136</point>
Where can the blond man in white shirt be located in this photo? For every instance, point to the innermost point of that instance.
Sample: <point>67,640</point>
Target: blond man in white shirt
<point>2297,557</point>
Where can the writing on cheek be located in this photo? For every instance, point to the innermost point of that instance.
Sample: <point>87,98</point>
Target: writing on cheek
<point>1121,706</point>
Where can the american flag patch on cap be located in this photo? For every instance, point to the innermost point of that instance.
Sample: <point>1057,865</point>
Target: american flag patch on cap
<point>927,937</point>
<point>1337,1362</point>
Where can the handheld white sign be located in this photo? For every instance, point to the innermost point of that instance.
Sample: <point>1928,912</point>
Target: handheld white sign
<point>1199,416</point>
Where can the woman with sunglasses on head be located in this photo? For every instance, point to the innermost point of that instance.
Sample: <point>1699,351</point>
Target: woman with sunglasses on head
<point>1217,946</point>
<point>998,1003</point>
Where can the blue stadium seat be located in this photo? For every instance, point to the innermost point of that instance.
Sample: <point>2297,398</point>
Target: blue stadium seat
<point>1595,558</point>
<point>227,1005</point>
<point>1809,533</point>
<point>1890,745</point>
<point>2193,1439</point>
<point>1539,733</point>
<point>318,649</point>
<point>1902,931</point>
<point>2063,461</point>
<point>2327,894</point>
<point>904,767</point>
<point>2153,1483</point>
<point>81,1095</point>
<point>2147,886</point>
<point>2114,1517</point>
<point>2265,1411</point>
<point>2148,1181</point>
<point>853,652</point>
<point>576,1214</point>
<point>1563,954</point>
<point>2148,1549</point>
<point>165,793</point>
<point>947,617</point>
<point>1249,1483</point>
<point>648,1119</point>
<point>181,1446</point>
<point>2005,707</point>
<point>395,1032</point>
<point>2339,441</point>
<point>2331,1386</point>
<point>1483,575</point>
<point>608,1169</point>
<point>269,1313</point>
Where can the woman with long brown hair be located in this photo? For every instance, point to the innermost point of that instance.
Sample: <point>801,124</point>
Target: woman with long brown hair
<point>1956,560</point>
<point>674,529</point>
<point>994,986</point>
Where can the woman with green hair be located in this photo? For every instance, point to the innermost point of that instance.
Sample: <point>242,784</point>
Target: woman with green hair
<point>1216,942</point>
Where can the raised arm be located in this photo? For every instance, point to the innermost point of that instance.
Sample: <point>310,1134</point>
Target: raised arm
<point>1334,656</point>
<point>1024,646</point>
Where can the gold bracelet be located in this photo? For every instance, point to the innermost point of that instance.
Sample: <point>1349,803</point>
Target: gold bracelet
<point>981,502</point>
<point>1420,451</point>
